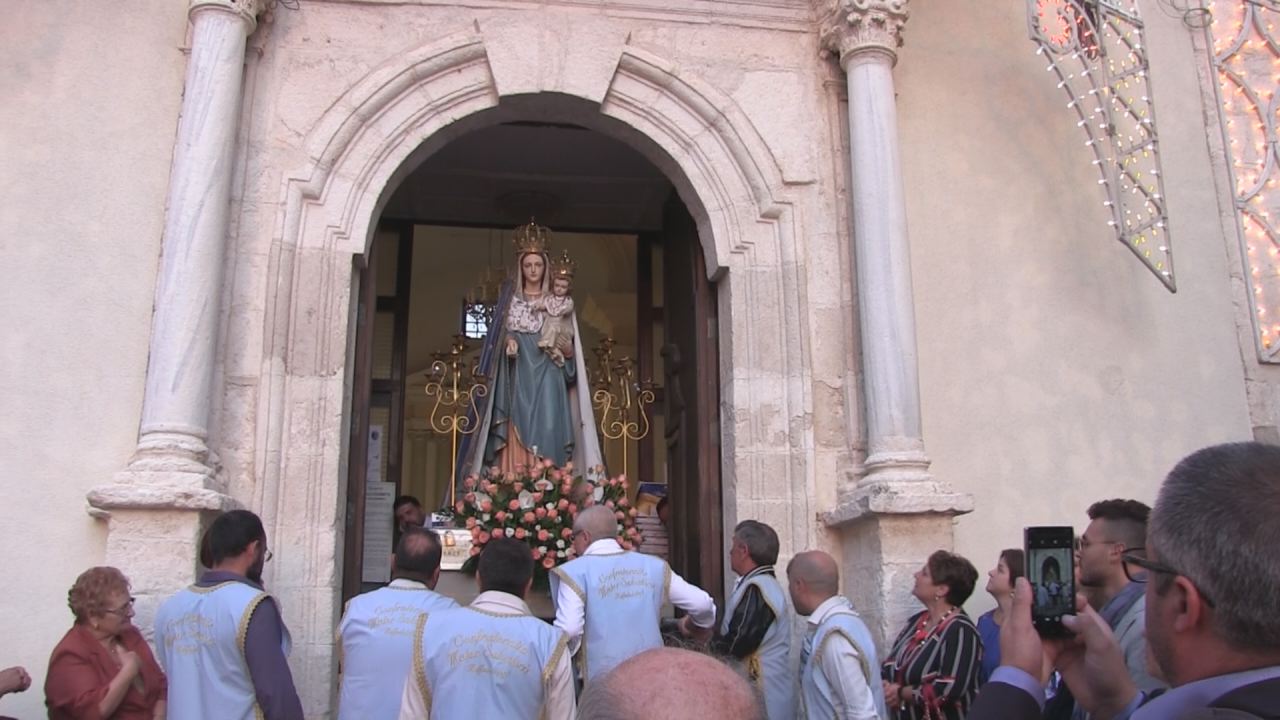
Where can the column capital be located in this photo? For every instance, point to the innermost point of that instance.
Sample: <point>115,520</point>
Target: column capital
<point>248,10</point>
<point>851,27</point>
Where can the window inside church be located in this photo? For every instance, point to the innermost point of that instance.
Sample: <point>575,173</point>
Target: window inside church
<point>475,319</point>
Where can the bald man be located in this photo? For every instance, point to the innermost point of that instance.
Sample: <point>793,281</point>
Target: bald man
<point>839,670</point>
<point>674,685</point>
<point>376,632</point>
<point>609,600</point>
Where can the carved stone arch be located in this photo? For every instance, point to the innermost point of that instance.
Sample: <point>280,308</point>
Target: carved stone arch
<point>380,130</point>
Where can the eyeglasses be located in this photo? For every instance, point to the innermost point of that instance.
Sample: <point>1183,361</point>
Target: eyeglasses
<point>1137,556</point>
<point>124,610</point>
<point>267,556</point>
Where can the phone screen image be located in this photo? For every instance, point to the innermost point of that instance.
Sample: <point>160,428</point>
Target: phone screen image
<point>1050,572</point>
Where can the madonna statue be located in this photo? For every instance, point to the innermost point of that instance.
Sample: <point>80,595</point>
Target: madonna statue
<point>539,402</point>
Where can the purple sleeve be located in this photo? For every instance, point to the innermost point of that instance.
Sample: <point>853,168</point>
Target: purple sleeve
<point>268,667</point>
<point>1020,679</point>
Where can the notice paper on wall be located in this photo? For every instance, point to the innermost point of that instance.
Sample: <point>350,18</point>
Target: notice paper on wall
<point>378,522</point>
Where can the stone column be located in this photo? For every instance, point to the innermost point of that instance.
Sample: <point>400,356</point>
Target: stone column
<point>897,512</point>
<point>154,505</point>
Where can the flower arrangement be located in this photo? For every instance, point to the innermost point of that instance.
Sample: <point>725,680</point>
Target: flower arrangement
<point>537,505</point>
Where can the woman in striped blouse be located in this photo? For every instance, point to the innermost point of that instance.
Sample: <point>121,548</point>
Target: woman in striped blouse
<point>932,671</point>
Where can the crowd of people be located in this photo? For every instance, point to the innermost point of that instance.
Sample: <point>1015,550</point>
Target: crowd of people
<point>1175,619</point>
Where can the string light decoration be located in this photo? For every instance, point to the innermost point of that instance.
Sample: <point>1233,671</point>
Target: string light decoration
<point>1097,51</point>
<point>1246,57</point>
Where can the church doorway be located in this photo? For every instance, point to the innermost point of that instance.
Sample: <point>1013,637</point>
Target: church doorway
<point>647,319</point>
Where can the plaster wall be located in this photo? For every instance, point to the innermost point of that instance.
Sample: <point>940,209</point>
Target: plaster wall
<point>1055,370</point>
<point>91,94</point>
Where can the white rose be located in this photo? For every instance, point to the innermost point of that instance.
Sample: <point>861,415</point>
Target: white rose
<point>543,549</point>
<point>560,544</point>
<point>511,532</point>
<point>485,517</point>
<point>561,554</point>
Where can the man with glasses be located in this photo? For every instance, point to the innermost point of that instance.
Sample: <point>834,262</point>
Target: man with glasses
<point>1115,528</point>
<point>1211,581</point>
<point>222,642</point>
<point>609,600</point>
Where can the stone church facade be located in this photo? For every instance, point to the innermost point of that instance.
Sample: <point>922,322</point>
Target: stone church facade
<point>928,335</point>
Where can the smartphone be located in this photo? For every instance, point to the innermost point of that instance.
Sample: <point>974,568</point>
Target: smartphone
<point>1051,571</point>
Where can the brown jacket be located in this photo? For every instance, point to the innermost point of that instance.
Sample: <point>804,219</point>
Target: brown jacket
<point>80,670</point>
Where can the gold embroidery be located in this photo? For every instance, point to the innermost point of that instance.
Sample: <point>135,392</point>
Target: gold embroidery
<point>561,644</point>
<point>862,656</point>
<point>243,631</point>
<point>564,578</point>
<point>420,664</point>
<point>211,588</point>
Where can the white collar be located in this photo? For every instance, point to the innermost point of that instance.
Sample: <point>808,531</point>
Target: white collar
<point>501,603</point>
<point>829,607</point>
<point>607,546</point>
<point>407,584</point>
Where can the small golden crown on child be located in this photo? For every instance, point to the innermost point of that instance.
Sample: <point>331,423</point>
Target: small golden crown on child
<point>531,238</point>
<point>563,267</point>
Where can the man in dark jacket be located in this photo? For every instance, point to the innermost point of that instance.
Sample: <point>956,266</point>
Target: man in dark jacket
<point>1211,581</point>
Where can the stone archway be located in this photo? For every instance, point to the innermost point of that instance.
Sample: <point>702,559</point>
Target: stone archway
<point>379,130</point>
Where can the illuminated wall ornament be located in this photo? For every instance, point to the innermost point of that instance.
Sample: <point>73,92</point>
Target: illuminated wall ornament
<point>1247,59</point>
<point>1096,50</point>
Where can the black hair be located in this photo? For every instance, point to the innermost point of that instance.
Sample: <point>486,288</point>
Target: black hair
<point>230,534</point>
<point>506,565</point>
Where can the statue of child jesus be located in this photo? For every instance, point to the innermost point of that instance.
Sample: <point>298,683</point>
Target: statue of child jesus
<point>557,325</point>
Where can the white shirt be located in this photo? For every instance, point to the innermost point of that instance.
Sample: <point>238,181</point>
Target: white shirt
<point>571,614</point>
<point>841,665</point>
<point>561,701</point>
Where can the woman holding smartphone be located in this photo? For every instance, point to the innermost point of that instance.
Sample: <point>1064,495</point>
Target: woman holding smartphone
<point>932,670</point>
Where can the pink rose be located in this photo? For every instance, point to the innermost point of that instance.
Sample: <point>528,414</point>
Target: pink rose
<point>521,468</point>
<point>509,477</point>
<point>486,506</point>
<point>460,506</point>
<point>475,534</point>
<point>513,505</point>
<point>566,489</point>
<point>500,516</point>
<point>543,536</point>
<point>553,514</point>
<point>589,501</point>
<point>494,471</point>
<point>470,497</point>
<point>534,552</point>
<point>520,533</point>
<point>566,533</point>
<point>619,515</point>
<point>540,512</point>
<point>608,504</point>
<point>517,487</point>
<point>489,487</point>
<point>546,463</point>
<point>537,497</point>
<point>622,479</point>
<point>475,550</point>
<point>469,483</point>
<point>626,545</point>
<point>573,509</point>
<point>548,562</point>
<point>623,501</point>
<point>556,475</point>
<point>562,505</point>
<point>632,512</point>
<point>496,535</point>
<point>471,523</point>
<point>528,518</point>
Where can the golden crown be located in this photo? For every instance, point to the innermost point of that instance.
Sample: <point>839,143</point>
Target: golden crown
<point>531,238</point>
<point>563,267</point>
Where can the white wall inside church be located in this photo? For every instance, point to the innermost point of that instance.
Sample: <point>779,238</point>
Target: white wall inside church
<point>89,114</point>
<point>1055,370</point>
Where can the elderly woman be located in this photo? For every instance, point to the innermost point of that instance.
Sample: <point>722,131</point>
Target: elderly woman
<point>932,671</point>
<point>102,668</point>
<point>1000,581</point>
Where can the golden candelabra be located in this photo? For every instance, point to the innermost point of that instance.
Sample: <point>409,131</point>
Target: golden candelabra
<point>456,387</point>
<point>620,399</point>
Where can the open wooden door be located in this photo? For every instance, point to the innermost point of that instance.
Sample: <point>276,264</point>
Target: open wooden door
<point>692,408</point>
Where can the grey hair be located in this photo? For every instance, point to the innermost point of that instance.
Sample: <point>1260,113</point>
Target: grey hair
<point>601,700</point>
<point>760,539</point>
<point>1215,521</point>
<point>597,520</point>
